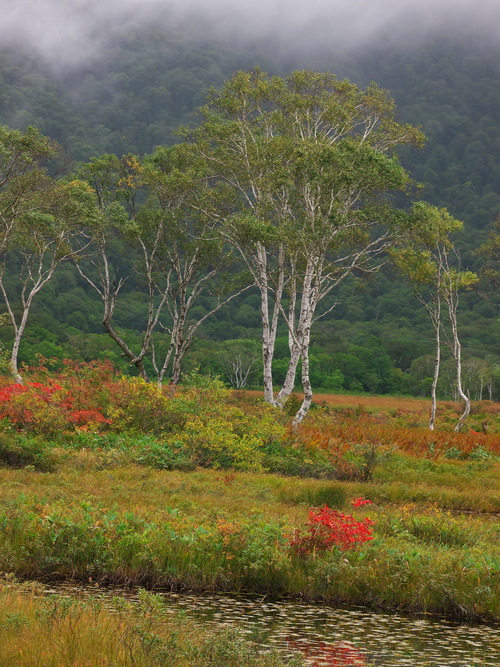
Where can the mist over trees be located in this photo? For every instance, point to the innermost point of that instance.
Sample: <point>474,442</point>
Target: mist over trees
<point>142,85</point>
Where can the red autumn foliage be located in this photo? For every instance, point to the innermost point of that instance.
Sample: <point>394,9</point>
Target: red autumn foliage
<point>45,408</point>
<point>328,528</point>
<point>359,502</point>
<point>84,417</point>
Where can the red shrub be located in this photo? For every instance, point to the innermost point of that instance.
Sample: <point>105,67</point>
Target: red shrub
<point>44,408</point>
<point>328,528</point>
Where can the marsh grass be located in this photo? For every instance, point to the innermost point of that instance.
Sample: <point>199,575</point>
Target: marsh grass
<point>216,531</point>
<point>196,504</point>
<point>314,495</point>
<point>51,631</point>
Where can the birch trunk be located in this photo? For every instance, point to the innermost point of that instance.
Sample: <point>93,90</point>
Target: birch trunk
<point>306,382</point>
<point>437,364</point>
<point>269,314</point>
<point>300,334</point>
<point>458,361</point>
<point>451,295</point>
<point>14,366</point>
<point>18,333</point>
<point>137,362</point>
<point>37,275</point>
<point>436,320</point>
<point>268,342</point>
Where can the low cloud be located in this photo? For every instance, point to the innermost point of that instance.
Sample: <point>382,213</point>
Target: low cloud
<point>67,33</point>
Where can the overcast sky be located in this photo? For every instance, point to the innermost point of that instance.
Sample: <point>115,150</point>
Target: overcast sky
<point>64,32</point>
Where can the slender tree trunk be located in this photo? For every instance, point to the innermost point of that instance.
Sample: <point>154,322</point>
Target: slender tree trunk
<point>452,299</point>
<point>137,362</point>
<point>20,328</point>
<point>300,335</point>
<point>437,364</point>
<point>18,334</point>
<point>176,370</point>
<point>437,361</point>
<point>269,317</point>
<point>160,372</point>
<point>179,352</point>
<point>14,368</point>
<point>267,350</point>
<point>461,393</point>
<point>306,382</point>
<point>179,340</point>
<point>289,381</point>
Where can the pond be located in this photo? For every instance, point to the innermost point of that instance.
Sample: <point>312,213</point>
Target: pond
<point>338,637</point>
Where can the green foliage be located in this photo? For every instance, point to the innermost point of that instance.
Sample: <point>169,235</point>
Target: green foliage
<point>143,407</point>
<point>298,461</point>
<point>449,89</point>
<point>18,452</point>
<point>223,437</point>
<point>161,455</point>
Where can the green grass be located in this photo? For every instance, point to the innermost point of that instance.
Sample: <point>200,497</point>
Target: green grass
<point>229,531</point>
<point>201,490</point>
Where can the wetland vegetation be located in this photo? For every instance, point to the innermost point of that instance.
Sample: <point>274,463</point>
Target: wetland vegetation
<point>106,480</point>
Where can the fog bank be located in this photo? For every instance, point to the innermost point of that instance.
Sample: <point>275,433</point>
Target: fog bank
<point>67,34</point>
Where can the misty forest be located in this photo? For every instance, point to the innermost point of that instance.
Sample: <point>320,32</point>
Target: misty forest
<point>249,341</point>
<point>371,334</point>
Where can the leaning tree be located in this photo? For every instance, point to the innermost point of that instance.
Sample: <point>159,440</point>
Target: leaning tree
<point>145,213</point>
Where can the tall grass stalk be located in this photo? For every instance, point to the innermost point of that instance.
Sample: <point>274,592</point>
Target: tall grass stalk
<point>52,631</point>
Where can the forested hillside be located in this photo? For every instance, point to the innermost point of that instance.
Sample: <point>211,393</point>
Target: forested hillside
<point>377,338</point>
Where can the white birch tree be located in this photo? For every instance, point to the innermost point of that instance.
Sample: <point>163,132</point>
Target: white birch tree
<point>455,281</point>
<point>308,160</point>
<point>424,258</point>
<point>38,217</point>
<point>175,257</point>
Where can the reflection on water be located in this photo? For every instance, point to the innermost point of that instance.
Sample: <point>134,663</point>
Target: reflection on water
<point>341,637</point>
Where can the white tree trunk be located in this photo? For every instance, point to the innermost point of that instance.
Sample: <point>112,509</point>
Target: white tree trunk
<point>300,333</point>
<point>269,316</point>
<point>268,342</point>
<point>461,393</point>
<point>306,382</point>
<point>452,300</point>
<point>435,313</point>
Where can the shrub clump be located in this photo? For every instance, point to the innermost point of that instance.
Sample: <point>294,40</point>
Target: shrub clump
<point>329,529</point>
<point>17,451</point>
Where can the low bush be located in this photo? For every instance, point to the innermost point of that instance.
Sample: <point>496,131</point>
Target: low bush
<point>45,409</point>
<point>329,529</point>
<point>143,407</point>
<point>17,451</point>
<point>162,456</point>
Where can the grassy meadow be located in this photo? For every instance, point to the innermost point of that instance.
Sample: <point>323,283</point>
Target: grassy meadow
<point>110,480</point>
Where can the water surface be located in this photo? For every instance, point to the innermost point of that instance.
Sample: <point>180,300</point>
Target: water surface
<point>338,637</point>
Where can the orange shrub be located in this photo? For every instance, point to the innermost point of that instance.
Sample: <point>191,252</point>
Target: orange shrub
<point>340,432</point>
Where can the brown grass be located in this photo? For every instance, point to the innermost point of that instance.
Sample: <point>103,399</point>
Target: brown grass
<point>407,403</point>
